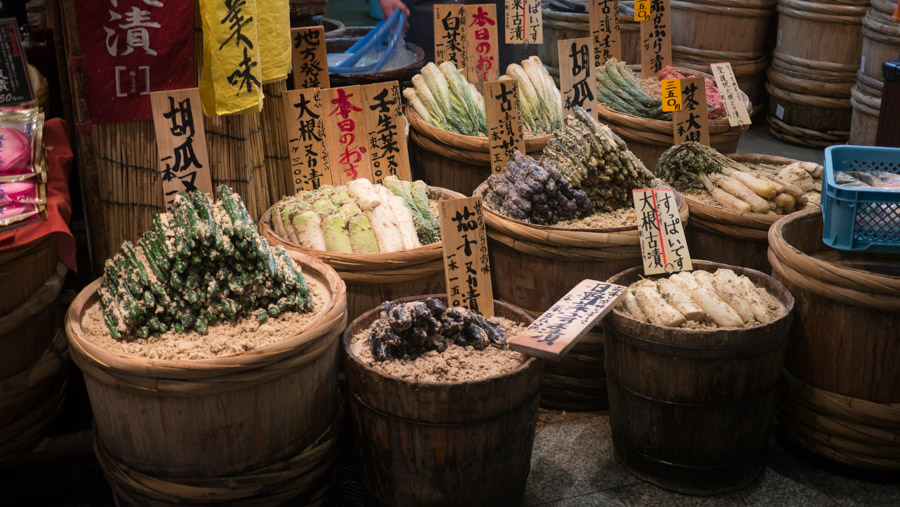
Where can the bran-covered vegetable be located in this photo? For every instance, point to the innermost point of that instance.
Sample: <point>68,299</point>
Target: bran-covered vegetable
<point>201,263</point>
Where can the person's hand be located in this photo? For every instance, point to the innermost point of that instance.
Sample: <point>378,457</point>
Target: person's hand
<point>388,6</point>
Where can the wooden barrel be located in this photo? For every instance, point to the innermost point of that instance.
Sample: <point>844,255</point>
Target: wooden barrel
<point>533,266</point>
<point>881,42</point>
<point>691,411</point>
<point>235,430</point>
<point>864,121</point>
<point>442,444</point>
<point>559,25</point>
<point>648,139</point>
<point>750,74</point>
<point>732,237</point>
<point>453,161</point>
<point>738,27</point>
<point>375,277</point>
<point>807,120</point>
<point>404,75</point>
<point>843,352</point>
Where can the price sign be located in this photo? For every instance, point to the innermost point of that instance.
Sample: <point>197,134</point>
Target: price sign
<point>731,94</point>
<point>467,268</point>
<point>387,136</point>
<point>523,22</point>
<point>504,122</point>
<point>346,135</point>
<point>555,332</point>
<point>15,86</point>
<point>180,142</point>
<point>534,22</point>
<point>663,245</point>
<point>656,39</point>
<point>576,75</point>
<point>691,122</point>
<point>310,166</point>
<point>604,21</point>
<point>671,95</point>
<point>641,10</point>
<point>450,35</point>
<point>482,43</point>
<point>309,59</point>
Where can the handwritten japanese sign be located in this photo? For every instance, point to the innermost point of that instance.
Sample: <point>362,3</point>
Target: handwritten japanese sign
<point>504,122</point>
<point>310,165</point>
<point>387,136</point>
<point>534,22</point>
<point>523,22</point>
<point>180,142</point>
<point>576,75</point>
<point>671,95</point>
<point>346,135</point>
<point>482,43</point>
<point>15,87</point>
<point>450,35</point>
<point>555,332</point>
<point>691,122</point>
<point>656,39</point>
<point>231,79</point>
<point>641,10</point>
<point>309,58</point>
<point>731,94</point>
<point>131,47</point>
<point>663,245</point>
<point>467,268</point>
<point>604,21</point>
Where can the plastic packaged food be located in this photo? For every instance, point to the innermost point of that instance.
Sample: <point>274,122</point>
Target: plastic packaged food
<point>21,149</point>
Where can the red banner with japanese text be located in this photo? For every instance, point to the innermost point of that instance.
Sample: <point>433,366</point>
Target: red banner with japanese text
<point>133,47</point>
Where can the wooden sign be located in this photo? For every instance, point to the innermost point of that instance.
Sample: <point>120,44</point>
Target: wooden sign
<point>310,166</point>
<point>534,22</point>
<point>450,35</point>
<point>731,94</point>
<point>604,22</point>
<point>663,245</point>
<point>576,75</point>
<point>387,131</point>
<point>691,123</point>
<point>656,39</point>
<point>671,95</point>
<point>504,122</point>
<point>467,269</point>
<point>346,135</point>
<point>552,334</point>
<point>15,85</point>
<point>482,43</point>
<point>523,22</point>
<point>308,58</point>
<point>180,142</point>
<point>641,10</point>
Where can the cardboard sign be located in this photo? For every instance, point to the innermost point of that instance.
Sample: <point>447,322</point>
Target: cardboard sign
<point>309,60</point>
<point>604,20</point>
<point>671,95</point>
<point>467,268</point>
<point>482,43</point>
<point>523,22</point>
<point>663,245</point>
<point>641,10</point>
<point>552,334</point>
<point>450,35</point>
<point>731,94</point>
<point>180,142</point>
<point>15,86</point>
<point>691,123</point>
<point>504,122</point>
<point>346,135</point>
<point>387,131</point>
<point>656,39</point>
<point>576,75</point>
<point>305,122</point>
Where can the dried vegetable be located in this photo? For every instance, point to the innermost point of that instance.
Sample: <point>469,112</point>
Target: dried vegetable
<point>199,264</point>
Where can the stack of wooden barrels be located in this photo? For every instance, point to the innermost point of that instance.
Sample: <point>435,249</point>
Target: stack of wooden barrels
<point>814,66</point>
<point>881,42</point>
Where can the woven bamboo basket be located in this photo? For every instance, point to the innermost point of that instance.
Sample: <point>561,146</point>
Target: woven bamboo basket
<point>648,139</point>
<point>731,237</point>
<point>560,25</point>
<point>864,121</point>
<point>842,354</point>
<point>533,266</point>
<point>453,161</point>
<point>308,7</point>
<point>230,430</point>
<point>275,143</point>
<point>375,277</point>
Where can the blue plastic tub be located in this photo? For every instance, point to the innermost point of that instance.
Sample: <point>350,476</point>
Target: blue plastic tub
<point>861,219</point>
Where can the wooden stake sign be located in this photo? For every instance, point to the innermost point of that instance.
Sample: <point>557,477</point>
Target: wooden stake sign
<point>663,245</point>
<point>691,123</point>
<point>467,269</point>
<point>309,58</point>
<point>671,95</point>
<point>656,39</point>
<point>180,142</point>
<point>604,20</point>
<point>346,135</point>
<point>731,94</point>
<point>523,22</point>
<point>387,136</point>
<point>576,75</point>
<point>534,22</point>
<point>504,122</point>
<point>310,166</point>
<point>450,35</point>
<point>555,332</point>
<point>482,43</point>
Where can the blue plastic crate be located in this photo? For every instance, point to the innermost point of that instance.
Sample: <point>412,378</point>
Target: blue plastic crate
<point>861,219</point>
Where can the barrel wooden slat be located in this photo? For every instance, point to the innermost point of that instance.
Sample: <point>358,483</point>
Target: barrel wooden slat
<point>464,443</point>
<point>864,121</point>
<point>881,42</point>
<point>703,25</point>
<point>691,411</point>
<point>575,25</point>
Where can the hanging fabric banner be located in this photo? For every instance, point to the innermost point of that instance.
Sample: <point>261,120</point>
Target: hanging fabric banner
<point>274,39</point>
